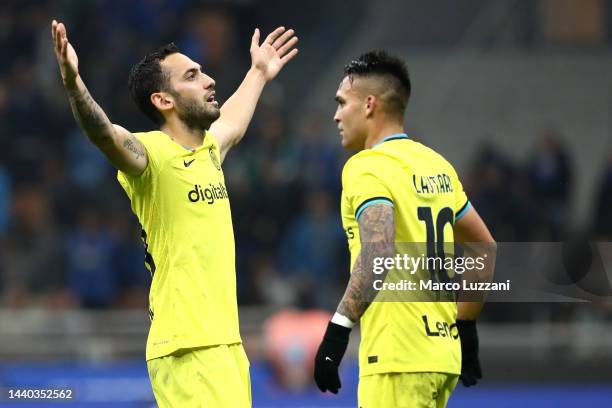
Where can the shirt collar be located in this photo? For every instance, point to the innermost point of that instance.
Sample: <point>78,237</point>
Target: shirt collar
<point>396,136</point>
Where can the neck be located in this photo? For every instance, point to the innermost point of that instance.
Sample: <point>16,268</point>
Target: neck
<point>387,129</point>
<point>181,133</point>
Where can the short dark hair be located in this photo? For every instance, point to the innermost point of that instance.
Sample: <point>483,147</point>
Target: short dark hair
<point>381,64</point>
<point>147,77</point>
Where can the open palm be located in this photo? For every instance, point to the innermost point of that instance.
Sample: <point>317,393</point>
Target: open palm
<point>276,50</point>
<point>64,52</point>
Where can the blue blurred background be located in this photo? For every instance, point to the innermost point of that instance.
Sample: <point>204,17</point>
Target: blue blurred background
<point>516,93</point>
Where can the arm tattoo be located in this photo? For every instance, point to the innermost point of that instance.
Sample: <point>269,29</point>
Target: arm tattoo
<point>133,146</point>
<point>377,235</point>
<point>89,115</point>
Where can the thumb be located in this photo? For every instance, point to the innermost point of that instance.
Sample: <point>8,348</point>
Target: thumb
<point>255,38</point>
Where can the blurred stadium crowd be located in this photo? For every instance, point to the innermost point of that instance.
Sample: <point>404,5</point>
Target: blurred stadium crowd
<point>67,235</point>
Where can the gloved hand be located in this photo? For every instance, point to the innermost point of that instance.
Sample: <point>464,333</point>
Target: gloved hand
<point>328,357</point>
<point>470,365</point>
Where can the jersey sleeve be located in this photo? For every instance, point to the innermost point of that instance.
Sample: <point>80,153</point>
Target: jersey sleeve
<point>363,184</point>
<point>462,203</point>
<point>132,184</point>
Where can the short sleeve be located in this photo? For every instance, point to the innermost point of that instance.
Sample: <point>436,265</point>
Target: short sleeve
<point>462,204</point>
<point>151,143</point>
<point>363,184</point>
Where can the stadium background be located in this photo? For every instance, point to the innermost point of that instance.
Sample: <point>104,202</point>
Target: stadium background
<point>516,93</point>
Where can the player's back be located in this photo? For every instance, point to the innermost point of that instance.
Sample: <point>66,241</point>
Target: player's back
<point>423,187</point>
<point>428,193</point>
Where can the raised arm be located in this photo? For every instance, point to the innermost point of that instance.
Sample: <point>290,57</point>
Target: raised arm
<point>120,146</point>
<point>267,60</point>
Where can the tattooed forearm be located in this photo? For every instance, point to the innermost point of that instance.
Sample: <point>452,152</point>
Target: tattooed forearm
<point>377,234</point>
<point>88,114</point>
<point>134,147</point>
<point>120,146</point>
<point>357,296</point>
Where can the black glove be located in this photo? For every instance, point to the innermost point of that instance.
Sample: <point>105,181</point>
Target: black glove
<point>328,357</point>
<point>470,365</point>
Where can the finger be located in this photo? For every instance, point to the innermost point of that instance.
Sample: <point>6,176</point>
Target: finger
<point>274,34</point>
<point>288,45</point>
<point>331,378</point>
<point>283,38</point>
<point>64,39</point>
<point>255,38</point>
<point>319,376</point>
<point>320,385</point>
<point>289,56</point>
<point>325,379</point>
<point>62,30</point>
<point>467,380</point>
<point>58,40</point>
<point>335,382</point>
<point>55,34</point>
<point>53,25</point>
<point>321,382</point>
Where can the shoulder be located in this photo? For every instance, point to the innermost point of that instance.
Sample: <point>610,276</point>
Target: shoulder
<point>432,156</point>
<point>154,141</point>
<point>366,159</point>
<point>371,163</point>
<point>424,150</point>
<point>153,137</point>
<point>157,144</point>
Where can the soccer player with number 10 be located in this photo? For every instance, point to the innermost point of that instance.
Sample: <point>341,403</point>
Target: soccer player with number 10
<point>401,362</point>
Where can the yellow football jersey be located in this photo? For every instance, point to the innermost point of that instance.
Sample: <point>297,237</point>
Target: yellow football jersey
<point>427,198</point>
<point>182,204</point>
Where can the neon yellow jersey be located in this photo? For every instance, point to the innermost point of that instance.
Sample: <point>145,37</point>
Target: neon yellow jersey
<point>182,204</point>
<point>423,188</point>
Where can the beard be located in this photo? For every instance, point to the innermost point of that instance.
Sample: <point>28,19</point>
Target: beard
<point>196,114</point>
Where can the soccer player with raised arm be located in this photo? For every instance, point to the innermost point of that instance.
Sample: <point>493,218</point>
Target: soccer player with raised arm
<point>174,180</point>
<point>395,190</point>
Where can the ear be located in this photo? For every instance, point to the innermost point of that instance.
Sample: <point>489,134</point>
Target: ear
<point>371,103</point>
<point>162,101</point>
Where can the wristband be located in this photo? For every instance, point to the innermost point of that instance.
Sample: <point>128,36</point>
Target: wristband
<point>342,321</point>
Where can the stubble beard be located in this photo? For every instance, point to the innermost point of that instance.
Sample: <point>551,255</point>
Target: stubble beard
<point>197,115</point>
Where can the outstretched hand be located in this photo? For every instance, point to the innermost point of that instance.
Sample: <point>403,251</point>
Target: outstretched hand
<point>276,50</point>
<point>65,54</point>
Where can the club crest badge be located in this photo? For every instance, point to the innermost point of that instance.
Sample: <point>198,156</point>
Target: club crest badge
<point>214,159</point>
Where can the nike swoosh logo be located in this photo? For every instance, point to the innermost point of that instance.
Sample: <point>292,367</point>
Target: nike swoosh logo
<point>328,359</point>
<point>188,163</point>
